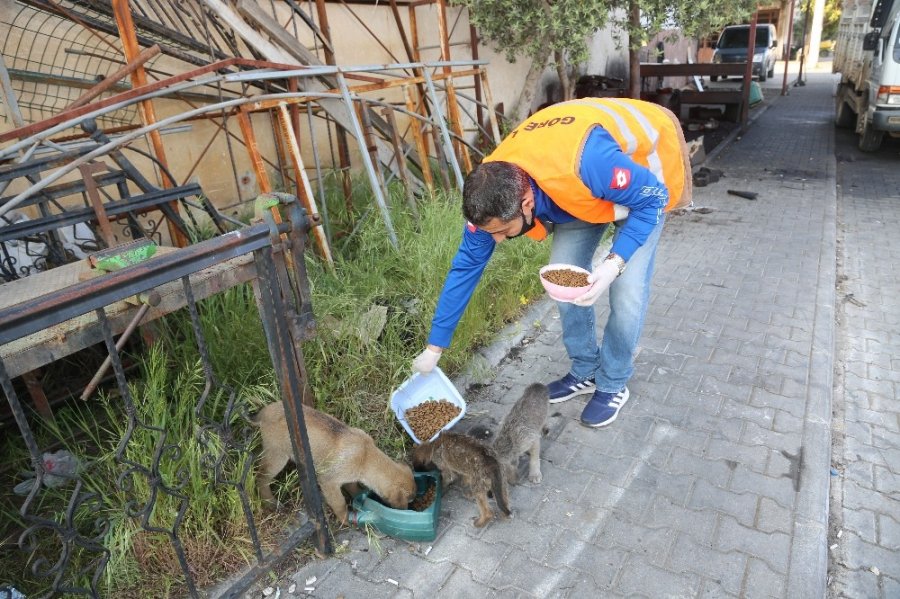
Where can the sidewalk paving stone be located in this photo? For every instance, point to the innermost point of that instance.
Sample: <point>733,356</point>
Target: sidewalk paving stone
<point>714,480</point>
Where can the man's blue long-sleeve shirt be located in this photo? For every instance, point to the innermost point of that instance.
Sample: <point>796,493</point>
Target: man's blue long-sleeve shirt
<point>609,174</point>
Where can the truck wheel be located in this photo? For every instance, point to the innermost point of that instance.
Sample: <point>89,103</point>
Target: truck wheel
<point>844,117</point>
<point>713,78</point>
<point>772,71</point>
<point>870,139</point>
<point>762,74</point>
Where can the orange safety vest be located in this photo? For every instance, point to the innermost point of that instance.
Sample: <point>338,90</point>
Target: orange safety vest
<point>549,144</point>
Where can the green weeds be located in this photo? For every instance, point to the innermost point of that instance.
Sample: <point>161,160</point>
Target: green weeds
<point>352,364</point>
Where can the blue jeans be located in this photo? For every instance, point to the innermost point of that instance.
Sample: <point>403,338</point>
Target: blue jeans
<point>611,363</point>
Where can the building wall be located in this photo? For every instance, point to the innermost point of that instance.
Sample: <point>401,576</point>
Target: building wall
<point>675,49</point>
<point>198,151</point>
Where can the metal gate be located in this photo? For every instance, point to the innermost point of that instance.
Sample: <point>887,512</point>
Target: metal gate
<point>77,556</point>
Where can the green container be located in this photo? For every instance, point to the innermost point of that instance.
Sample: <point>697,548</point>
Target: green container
<point>408,525</point>
<point>126,254</point>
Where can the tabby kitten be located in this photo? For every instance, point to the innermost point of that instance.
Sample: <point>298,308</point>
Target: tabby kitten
<point>456,454</point>
<point>521,432</point>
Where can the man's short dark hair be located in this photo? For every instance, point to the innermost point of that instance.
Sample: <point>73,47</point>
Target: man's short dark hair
<point>494,190</point>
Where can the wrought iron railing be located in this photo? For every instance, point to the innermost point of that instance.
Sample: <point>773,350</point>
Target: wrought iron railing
<point>65,549</point>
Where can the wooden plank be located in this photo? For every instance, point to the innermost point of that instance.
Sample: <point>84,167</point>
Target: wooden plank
<point>49,345</point>
<point>711,97</point>
<point>252,12</point>
<point>653,69</point>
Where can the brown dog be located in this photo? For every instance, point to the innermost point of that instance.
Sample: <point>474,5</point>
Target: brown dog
<point>474,462</point>
<point>342,455</point>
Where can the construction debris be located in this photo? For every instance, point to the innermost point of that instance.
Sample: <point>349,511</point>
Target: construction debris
<point>749,195</point>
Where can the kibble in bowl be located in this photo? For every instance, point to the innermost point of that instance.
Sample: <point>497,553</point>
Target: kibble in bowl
<point>564,282</point>
<point>429,417</point>
<point>426,404</point>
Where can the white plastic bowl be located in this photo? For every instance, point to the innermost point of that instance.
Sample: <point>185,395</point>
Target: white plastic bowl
<point>420,388</point>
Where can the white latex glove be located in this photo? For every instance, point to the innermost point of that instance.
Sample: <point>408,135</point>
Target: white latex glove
<point>600,281</point>
<point>426,361</point>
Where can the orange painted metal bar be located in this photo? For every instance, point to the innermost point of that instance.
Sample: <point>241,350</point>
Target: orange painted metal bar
<point>131,49</point>
<point>90,186</point>
<point>340,134</point>
<point>452,105</point>
<point>113,78</point>
<point>136,92</point>
<point>303,185</point>
<point>415,126</point>
<point>262,177</point>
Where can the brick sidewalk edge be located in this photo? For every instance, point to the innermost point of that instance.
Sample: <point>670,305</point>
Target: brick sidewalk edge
<point>808,567</point>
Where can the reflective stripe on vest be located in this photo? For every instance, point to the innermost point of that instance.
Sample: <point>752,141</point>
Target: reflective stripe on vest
<point>653,161</point>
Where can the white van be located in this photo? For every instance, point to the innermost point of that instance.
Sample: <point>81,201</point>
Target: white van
<point>732,47</point>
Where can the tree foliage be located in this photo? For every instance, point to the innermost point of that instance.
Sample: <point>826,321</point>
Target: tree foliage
<point>537,29</point>
<point>691,18</point>
<point>529,27</point>
<point>831,19</point>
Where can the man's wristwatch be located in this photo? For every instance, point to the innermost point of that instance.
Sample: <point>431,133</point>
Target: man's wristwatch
<point>618,261</point>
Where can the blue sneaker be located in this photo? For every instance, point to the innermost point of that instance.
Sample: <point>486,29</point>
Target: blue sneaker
<point>568,387</point>
<point>603,408</point>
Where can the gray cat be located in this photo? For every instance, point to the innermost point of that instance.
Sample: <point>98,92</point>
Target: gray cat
<point>458,455</point>
<point>521,432</point>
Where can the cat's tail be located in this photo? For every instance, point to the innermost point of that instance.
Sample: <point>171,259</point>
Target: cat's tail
<point>499,487</point>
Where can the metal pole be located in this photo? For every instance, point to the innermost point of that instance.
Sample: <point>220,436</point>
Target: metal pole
<point>419,139</point>
<point>401,162</point>
<point>800,82</point>
<point>748,73</point>
<point>367,161</point>
<point>132,50</point>
<point>9,96</point>
<point>121,141</point>
<point>445,134</point>
<point>787,58</point>
<point>12,107</point>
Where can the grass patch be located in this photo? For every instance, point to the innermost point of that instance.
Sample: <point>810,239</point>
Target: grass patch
<point>351,376</point>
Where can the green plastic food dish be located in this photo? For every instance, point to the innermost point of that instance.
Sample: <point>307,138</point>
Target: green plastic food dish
<point>408,525</point>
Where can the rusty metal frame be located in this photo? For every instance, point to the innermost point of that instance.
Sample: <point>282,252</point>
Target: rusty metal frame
<point>445,136</point>
<point>283,296</point>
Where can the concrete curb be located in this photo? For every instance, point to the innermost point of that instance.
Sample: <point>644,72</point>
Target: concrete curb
<point>731,137</point>
<point>810,534</point>
<point>480,368</point>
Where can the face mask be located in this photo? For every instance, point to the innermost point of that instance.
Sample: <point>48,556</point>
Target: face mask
<point>526,226</point>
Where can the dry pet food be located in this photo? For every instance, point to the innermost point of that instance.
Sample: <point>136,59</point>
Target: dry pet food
<point>566,277</point>
<point>421,502</point>
<point>429,417</point>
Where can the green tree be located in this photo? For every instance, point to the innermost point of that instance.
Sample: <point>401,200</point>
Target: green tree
<point>831,19</point>
<point>642,19</point>
<point>539,29</point>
